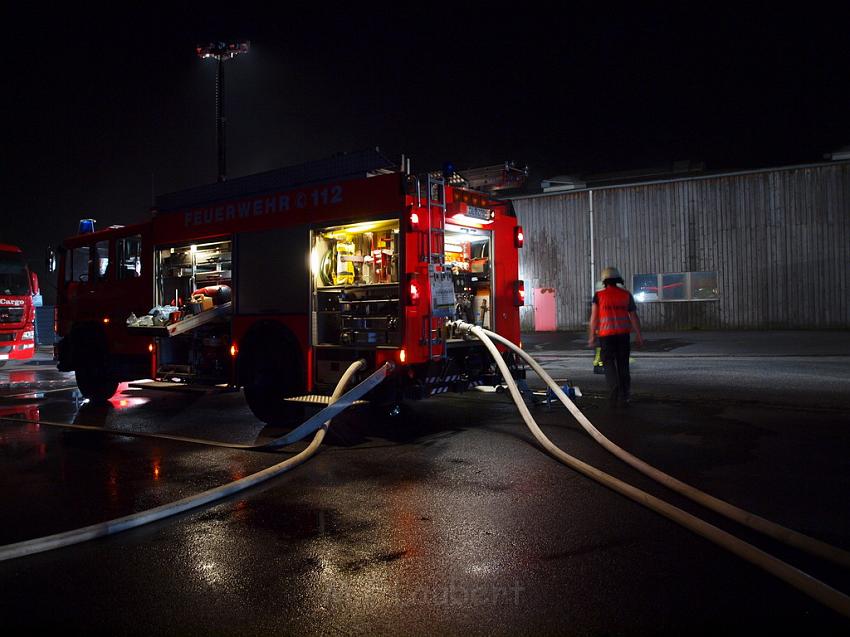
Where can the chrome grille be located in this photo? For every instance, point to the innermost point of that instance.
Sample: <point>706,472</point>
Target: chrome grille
<point>11,314</point>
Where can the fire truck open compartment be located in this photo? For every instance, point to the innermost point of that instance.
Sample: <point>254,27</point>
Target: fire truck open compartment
<point>467,252</point>
<point>355,291</point>
<point>185,268</point>
<point>197,354</point>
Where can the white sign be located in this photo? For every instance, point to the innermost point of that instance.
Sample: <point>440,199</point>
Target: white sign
<point>442,292</point>
<point>474,212</point>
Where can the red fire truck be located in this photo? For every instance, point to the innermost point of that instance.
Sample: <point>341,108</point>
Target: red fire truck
<point>17,313</point>
<point>275,282</point>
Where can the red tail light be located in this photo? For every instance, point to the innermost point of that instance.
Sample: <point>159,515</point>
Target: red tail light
<point>519,293</point>
<point>519,237</point>
<point>413,292</point>
<point>414,220</point>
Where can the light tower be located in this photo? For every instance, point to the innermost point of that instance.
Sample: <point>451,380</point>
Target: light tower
<point>221,51</point>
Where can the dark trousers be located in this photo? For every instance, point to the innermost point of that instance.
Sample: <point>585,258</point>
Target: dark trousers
<point>615,358</point>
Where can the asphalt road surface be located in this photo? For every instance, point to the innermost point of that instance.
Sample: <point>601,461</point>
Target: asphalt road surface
<point>446,519</point>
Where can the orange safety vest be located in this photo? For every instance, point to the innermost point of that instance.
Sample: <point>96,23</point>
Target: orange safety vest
<point>613,305</point>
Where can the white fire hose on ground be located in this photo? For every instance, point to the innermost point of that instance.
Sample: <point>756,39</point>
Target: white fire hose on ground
<point>800,580</point>
<point>755,522</point>
<point>110,527</point>
<point>804,582</point>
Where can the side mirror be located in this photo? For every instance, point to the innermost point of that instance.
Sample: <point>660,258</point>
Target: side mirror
<point>34,280</point>
<point>51,259</point>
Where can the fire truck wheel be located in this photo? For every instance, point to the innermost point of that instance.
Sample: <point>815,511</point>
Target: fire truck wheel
<point>270,369</point>
<point>95,383</point>
<point>268,405</point>
<point>2,363</point>
<point>91,365</point>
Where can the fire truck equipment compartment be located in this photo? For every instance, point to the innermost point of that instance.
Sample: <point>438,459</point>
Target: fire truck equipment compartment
<point>356,291</point>
<point>186,268</point>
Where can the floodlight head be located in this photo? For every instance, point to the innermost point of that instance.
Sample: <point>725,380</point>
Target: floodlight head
<point>222,50</point>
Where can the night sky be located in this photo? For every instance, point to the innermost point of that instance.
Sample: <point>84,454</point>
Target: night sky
<point>100,109</point>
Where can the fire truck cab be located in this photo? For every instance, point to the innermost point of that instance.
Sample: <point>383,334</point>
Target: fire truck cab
<point>274,283</point>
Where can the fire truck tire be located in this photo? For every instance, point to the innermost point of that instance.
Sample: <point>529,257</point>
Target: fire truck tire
<point>95,383</point>
<point>91,365</point>
<point>2,363</point>
<point>270,369</point>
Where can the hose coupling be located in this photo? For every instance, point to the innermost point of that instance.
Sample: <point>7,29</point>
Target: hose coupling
<point>462,328</point>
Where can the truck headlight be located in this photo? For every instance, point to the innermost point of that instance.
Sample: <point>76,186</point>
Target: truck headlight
<point>28,335</point>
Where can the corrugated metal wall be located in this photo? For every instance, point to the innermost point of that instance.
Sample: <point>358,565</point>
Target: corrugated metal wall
<point>778,239</point>
<point>44,334</point>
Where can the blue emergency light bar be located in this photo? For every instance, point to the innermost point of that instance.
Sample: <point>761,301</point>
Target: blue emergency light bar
<point>86,226</point>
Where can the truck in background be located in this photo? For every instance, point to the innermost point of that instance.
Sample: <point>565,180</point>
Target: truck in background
<point>17,312</point>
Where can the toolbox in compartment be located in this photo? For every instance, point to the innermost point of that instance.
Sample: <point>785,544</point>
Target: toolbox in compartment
<point>358,316</point>
<point>369,315</point>
<point>382,323</point>
<point>199,356</point>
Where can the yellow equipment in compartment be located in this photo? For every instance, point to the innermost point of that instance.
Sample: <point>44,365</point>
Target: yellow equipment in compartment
<point>344,262</point>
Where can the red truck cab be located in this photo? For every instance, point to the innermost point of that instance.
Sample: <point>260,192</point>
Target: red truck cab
<point>17,313</point>
<point>102,277</point>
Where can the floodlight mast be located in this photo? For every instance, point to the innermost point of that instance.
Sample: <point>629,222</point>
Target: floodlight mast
<point>221,51</point>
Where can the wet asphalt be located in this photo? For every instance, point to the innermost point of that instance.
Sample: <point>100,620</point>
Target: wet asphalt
<point>445,519</point>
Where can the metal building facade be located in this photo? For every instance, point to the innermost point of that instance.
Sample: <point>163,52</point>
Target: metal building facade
<point>778,239</point>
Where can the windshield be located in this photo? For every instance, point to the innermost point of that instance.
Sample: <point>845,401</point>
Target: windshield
<point>13,275</point>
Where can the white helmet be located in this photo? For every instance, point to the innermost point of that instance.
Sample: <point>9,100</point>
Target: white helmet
<point>611,273</point>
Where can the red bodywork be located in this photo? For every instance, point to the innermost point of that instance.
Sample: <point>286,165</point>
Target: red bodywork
<point>17,313</point>
<point>109,301</point>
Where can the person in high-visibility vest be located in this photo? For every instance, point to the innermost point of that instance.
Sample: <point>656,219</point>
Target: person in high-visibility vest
<point>612,319</point>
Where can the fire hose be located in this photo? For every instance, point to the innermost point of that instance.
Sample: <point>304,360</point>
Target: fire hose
<point>110,527</point>
<point>800,580</point>
<point>787,573</point>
